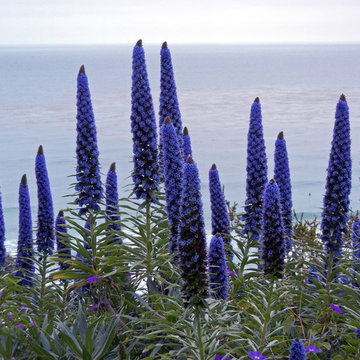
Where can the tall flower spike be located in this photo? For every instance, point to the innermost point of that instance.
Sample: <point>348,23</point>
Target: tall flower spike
<point>143,127</point>
<point>87,172</point>
<point>186,143</point>
<point>220,220</point>
<point>2,236</point>
<point>192,239</point>
<point>173,172</point>
<point>297,350</point>
<point>61,234</point>
<point>272,238</point>
<point>282,178</point>
<point>256,173</point>
<point>24,260</point>
<point>218,277</point>
<point>338,182</point>
<point>169,105</point>
<point>112,210</point>
<point>356,246</point>
<point>45,226</point>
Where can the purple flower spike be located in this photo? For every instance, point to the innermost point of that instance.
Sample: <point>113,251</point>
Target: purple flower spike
<point>282,178</point>
<point>256,355</point>
<point>93,279</point>
<point>220,220</point>
<point>143,128</point>
<point>312,349</point>
<point>297,350</point>
<point>45,229</point>
<point>256,170</point>
<point>88,184</point>
<point>336,309</point>
<point>169,105</point>
<point>338,183</point>
<point>24,260</point>
<point>112,205</point>
<point>172,163</point>
<point>218,277</point>
<point>192,237</point>
<point>19,325</point>
<point>272,237</point>
<point>186,143</point>
<point>0,293</point>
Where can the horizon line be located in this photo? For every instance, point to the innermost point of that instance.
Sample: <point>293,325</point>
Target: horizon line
<point>183,44</point>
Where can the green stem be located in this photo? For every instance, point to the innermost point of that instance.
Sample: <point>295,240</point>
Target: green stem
<point>199,336</point>
<point>148,245</point>
<point>327,287</point>
<point>267,317</point>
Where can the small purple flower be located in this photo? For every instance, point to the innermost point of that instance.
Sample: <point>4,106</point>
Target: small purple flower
<point>31,324</point>
<point>312,349</point>
<point>19,325</point>
<point>93,279</point>
<point>0,293</point>
<point>256,355</point>
<point>221,357</point>
<point>96,306</point>
<point>9,315</point>
<point>341,293</point>
<point>230,272</point>
<point>336,309</point>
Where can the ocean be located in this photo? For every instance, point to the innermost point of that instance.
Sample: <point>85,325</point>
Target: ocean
<point>298,86</point>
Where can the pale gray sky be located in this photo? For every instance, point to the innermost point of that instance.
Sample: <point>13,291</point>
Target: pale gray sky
<point>178,21</point>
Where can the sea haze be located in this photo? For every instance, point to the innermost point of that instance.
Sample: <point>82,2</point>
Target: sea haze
<point>298,86</point>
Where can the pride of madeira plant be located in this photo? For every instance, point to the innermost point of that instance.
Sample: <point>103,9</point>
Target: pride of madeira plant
<point>24,260</point>
<point>169,105</point>
<point>45,226</point>
<point>220,220</point>
<point>186,143</point>
<point>135,300</point>
<point>256,171</point>
<point>143,127</point>
<point>88,185</point>
<point>218,277</point>
<point>173,171</point>
<point>272,237</point>
<point>192,239</point>
<point>282,178</point>
<point>338,183</point>
<point>112,205</point>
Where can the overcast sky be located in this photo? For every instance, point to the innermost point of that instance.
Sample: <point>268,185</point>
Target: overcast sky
<point>178,21</point>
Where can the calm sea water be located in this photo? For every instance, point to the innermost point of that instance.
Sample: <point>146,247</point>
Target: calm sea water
<point>298,87</point>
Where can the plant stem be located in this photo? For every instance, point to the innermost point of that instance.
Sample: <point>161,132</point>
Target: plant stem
<point>327,287</point>
<point>199,336</point>
<point>267,316</point>
<point>148,245</point>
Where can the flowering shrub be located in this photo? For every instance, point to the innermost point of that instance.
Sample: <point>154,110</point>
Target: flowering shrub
<point>128,299</point>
